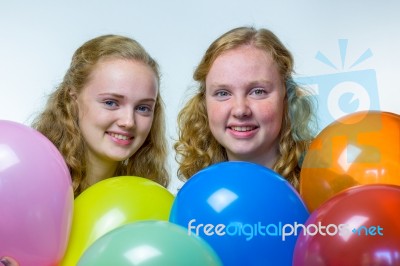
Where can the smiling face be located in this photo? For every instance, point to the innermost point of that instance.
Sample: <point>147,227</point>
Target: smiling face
<point>116,109</point>
<point>245,102</point>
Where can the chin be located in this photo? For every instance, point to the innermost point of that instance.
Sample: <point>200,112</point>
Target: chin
<point>119,158</point>
<point>241,156</point>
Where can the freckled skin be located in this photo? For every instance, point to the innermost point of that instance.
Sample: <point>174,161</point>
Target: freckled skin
<point>244,99</point>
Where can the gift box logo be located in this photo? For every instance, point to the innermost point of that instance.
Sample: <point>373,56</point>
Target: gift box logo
<point>344,92</point>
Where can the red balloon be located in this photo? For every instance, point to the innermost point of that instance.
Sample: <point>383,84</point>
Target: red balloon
<point>358,226</point>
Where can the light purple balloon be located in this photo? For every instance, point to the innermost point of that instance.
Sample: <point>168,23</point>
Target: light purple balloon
<point>36,197</point>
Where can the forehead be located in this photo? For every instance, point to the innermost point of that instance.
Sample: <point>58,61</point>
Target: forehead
<point>114,62</point>
<point>115,75</point>
<point>244,51</point>
<point>243,62</point>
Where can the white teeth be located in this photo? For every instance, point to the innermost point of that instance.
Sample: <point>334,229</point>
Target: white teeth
<point>242,129</point>
<point>118,136</point>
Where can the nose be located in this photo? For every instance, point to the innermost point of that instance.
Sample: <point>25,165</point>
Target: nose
<point>241,108</point>
<point>126,118</point>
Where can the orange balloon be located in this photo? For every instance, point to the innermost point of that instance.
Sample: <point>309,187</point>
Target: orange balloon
<point>360,148</point>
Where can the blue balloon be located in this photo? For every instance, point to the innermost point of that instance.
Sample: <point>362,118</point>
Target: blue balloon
<point>249,214</point>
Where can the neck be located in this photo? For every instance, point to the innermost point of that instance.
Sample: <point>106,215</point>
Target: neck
<point>265,159</point>
<point>97,170</point>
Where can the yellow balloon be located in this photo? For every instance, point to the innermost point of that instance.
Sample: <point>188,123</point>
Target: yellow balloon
<point>111,203</point>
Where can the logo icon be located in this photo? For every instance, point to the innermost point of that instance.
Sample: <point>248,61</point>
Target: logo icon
<point>344,92</point>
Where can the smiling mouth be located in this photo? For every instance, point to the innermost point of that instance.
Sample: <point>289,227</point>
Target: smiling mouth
<point>243,129</point>
<point>119,136</point>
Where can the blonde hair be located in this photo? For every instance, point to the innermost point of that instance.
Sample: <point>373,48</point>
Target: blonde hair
<point>59,120</point>
<point>197,148</point>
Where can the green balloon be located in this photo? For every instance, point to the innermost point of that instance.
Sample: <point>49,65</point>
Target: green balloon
<point>149,243</point>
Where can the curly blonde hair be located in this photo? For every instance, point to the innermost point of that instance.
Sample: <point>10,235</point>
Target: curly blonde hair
<point>59,120</point>
<point>197,148</point>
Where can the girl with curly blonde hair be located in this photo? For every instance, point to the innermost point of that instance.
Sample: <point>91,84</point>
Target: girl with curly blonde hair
<point>247,107</point>
<point>106,117</point>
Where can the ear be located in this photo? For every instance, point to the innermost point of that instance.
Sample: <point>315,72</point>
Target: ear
<point>73,94</point>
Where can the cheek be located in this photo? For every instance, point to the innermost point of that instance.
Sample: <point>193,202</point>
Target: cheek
<point>144,124</point>
<point>88,114</point>
<point>214,112</point>
<point>98,118</point>
<point>270,112</point>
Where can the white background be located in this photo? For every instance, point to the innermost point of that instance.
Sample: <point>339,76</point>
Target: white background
<point>38,39</point>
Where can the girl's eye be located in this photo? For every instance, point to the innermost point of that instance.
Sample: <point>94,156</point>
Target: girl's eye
<point>110,103</point>
<point>221,93</point>
<point>144,109</point>
<point>259,92</point>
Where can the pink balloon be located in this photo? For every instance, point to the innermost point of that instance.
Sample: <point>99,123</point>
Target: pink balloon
<point>36,197</point>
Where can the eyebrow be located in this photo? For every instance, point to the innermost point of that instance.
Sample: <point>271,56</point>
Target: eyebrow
<point>252,83</point>
<point>116,95</point>
<point>262,81</point>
